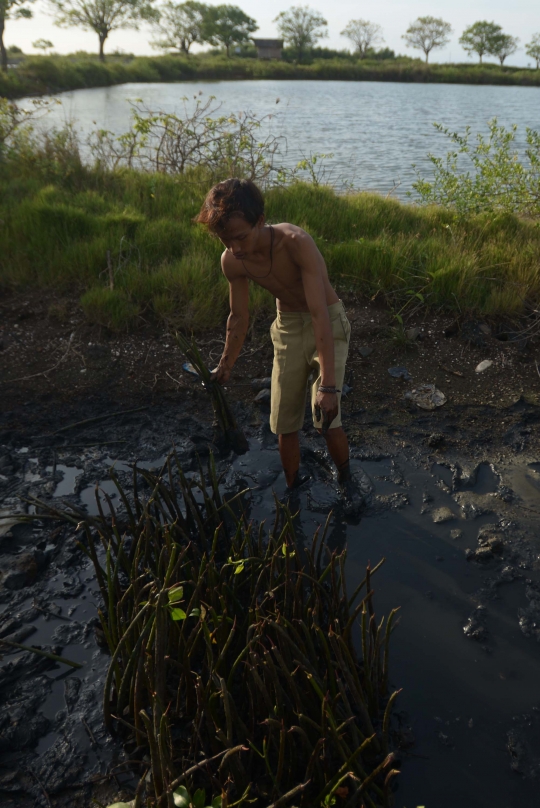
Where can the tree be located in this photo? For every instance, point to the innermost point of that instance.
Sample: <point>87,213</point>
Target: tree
<point>42,44</point>
<point>504,45</point>
<point>11,10</point>
<point>180,25</point>
<point>363,34</point>
<point>301,28</point>
<point>102,16</point>
<point>427,33</point>
<point>480,38</point>
<point>533,49</point>
<point>227,25</point>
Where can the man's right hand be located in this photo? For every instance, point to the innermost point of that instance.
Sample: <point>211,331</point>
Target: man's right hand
<point>221,374</point>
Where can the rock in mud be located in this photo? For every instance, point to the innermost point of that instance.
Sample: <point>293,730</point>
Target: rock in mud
<point>456,534</point>
<point>440,515</point>
<point>426,397</point>
<point>484,365</point>
<point>365,351</point>
<point>400,373</point>
<point>475,627</point>
<point>262,384</point>
<point>263,397</point>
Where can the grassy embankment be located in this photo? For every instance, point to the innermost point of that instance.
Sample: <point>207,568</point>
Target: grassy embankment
<point>36,75</point>
<point>57,223</point>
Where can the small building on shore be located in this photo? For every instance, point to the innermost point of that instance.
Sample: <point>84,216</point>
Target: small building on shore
<point>269,48</point>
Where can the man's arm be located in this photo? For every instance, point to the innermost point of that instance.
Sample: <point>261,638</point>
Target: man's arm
<point>237,326</point>
<point>313,269</point>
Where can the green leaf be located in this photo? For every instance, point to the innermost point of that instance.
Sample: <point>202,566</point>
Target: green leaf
<point>199,798</point>
<point>217,802</point>
<point>122,804</point>
<point>181,797</point>
<point>195,613</point>
<point>176,594</point>
<point>239,568</point>
<point>178,614</point>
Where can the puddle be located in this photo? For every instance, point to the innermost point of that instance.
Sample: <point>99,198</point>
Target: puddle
<point>486,480</point>
<point>88,496</point>
<point>67,484</point>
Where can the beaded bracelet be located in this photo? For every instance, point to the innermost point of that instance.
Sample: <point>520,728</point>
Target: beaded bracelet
<point>323,389</point>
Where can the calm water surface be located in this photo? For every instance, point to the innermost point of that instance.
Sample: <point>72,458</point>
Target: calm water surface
<point>376,131</point>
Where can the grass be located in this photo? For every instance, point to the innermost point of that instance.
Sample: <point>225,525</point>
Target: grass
<point>59,221</point>
<point>36,75</point>
<point>240,664</point>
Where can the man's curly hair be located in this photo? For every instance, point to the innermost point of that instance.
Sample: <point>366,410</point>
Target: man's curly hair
<point>229,198</point>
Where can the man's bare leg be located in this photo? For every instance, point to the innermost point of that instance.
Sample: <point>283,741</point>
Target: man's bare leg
<point>289,451</point>
<point>338,447</point>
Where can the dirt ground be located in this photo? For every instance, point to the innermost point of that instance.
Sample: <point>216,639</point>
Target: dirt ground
<point>55,369</point>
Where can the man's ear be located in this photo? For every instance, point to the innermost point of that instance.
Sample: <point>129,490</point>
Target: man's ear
<point>261,220</point>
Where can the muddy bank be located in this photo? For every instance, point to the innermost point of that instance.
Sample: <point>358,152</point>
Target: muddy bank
<point>452,502</point>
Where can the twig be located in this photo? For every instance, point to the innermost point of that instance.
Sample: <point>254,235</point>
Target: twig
<point>173,379</point>
<point>537,370</point>
<point>42,787</point>
<point>89,731</point>
<point>94,420</point>
<point>44,372</point>
<point>39,652</point>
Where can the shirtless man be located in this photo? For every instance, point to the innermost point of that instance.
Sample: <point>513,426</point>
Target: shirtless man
<point>310,333</point>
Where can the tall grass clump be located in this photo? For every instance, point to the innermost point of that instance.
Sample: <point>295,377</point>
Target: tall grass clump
<point>241,666</point>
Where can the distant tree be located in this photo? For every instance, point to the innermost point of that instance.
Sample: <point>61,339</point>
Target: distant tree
<point>427,33</point>
<point>533,49</point>
<point>301,28</point>
<point>503,46</point>
<point>480,38</point>
<point>363,34</point>
<point>101,16</point>
<point>227,26</point>
<point>179,24</point>
<point>11,10</point>
<point>43,44</point>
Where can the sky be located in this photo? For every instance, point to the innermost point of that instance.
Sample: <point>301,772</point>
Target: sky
<point>520,18</point>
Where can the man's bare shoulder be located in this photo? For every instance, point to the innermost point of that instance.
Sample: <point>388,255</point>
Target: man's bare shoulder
<point>231,267</point>
<point>293,239</point>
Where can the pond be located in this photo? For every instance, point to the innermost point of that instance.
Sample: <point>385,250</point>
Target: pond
<point>375,131</point>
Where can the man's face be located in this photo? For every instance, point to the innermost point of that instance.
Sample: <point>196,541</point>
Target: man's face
<point>240,237</point>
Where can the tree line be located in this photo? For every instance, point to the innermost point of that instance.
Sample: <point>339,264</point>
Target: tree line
<point>177,26</point>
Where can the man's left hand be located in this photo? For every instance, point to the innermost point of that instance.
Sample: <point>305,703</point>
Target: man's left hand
<point>327,405</point>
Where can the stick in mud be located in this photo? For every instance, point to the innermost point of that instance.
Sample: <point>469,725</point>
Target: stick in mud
<point>233,436</point>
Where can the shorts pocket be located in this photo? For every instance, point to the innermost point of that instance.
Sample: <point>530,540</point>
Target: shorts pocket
<point>346,326</point>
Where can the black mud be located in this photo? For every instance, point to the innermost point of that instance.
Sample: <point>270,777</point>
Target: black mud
<point>459,532</point>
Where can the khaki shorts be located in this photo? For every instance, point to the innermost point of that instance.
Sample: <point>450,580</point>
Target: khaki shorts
<point>295,358</point>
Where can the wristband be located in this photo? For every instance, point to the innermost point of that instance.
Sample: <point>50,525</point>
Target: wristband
<point>323,389</point>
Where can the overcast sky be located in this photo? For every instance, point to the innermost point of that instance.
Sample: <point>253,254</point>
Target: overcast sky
<point>520,18</point>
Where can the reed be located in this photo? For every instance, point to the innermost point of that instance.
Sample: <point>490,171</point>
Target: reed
<point>229,434</point>
<point>234,664</point>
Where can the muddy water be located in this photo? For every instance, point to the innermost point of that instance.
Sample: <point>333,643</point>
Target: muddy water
<point>466,651</point>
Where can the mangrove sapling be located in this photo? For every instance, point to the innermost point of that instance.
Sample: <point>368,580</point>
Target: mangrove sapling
<point>232,657</point>
<point>230,434</point>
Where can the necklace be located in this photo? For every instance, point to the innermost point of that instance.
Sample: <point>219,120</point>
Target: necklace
<point>262,277</point>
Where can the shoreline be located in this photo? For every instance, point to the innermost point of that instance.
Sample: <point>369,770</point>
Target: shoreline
<point>50,75</point>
